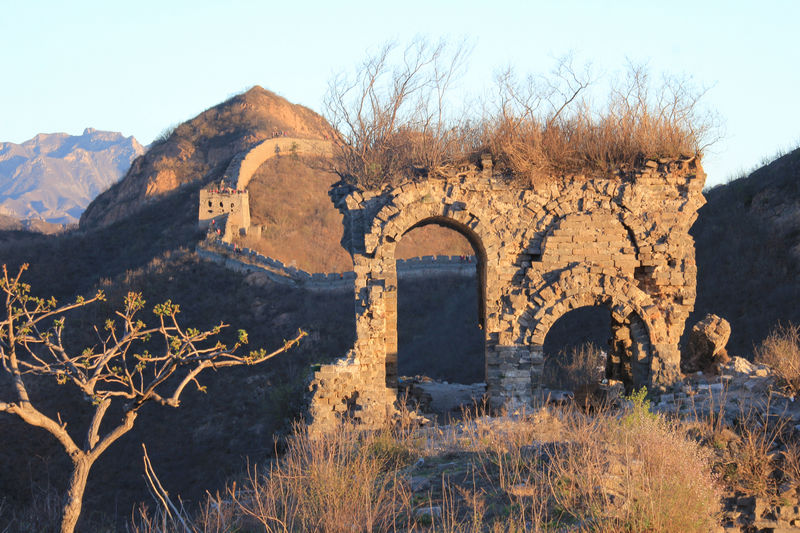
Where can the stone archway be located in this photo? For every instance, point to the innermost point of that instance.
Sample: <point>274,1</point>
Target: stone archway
<point>418,215</point>
<point>638,328</point>
<point>619,241</point>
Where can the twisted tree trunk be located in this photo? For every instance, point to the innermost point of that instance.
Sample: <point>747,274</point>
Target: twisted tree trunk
<point>77,484</point>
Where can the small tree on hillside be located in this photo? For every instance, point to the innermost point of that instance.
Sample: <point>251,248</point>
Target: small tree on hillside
<point>131,364</point>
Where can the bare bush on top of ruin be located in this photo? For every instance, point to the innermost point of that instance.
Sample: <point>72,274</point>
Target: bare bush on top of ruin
<point>392,112</point>
<point>397,122</point>
<point>548,125</point>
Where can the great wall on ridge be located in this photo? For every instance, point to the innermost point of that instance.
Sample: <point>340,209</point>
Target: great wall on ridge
<point>227,209</point>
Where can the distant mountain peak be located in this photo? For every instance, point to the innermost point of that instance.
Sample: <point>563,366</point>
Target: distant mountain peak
<point>53,176</point>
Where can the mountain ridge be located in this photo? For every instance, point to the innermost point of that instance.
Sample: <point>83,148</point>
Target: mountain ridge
<point>54,176</point>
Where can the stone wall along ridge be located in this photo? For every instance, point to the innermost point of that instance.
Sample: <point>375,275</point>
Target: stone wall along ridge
<point>242,167</point>
<point>247,260</point>
<point>226,206</point>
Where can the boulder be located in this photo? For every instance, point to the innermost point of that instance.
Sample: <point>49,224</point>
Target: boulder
<point>706,350</point>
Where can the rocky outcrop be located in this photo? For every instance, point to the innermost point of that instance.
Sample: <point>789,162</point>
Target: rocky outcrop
<point>53,177</point>
<point>200,150</point>
<point>706,349</point>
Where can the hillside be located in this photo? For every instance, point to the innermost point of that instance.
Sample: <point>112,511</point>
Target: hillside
<point>198,150</point>
<point>748,252</point>
<point>53,177</point>
<point>301,227</point>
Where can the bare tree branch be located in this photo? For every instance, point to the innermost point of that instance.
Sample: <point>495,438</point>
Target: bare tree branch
<point>392,114</point>
<point>131,362</point>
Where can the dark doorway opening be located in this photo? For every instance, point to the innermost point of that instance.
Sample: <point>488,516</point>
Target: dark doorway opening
<point>576,347</point>
<point>441,361</point>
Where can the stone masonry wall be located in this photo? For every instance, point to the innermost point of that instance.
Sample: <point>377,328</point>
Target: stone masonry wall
<point>619,241</point>
<point>227,205</point>
<point>226,209</point>
<point>247,260</point>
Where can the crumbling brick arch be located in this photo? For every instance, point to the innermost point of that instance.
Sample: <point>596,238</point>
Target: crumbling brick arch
<point>624,244</point>
<point>638,327</point>
<point>549,214</point>
<point>387,236</point>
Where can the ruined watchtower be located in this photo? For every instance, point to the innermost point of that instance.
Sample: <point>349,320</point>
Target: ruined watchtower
<point>620,241</point>
<point>228,208</point>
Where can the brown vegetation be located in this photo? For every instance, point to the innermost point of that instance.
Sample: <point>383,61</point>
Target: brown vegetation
<point>391,114</point>
<point>628,471</point>
<point>579,368</point>
<point>395,121</point>
<point>781,351</point>
<point>546,126</point>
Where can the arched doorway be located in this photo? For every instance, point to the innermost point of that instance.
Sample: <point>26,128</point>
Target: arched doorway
<point>440,268</point>
<point>637,328</point>
<point>575,348</point>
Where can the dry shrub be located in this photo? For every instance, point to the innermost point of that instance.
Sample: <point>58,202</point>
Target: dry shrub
<point>781,351</point>
<point>576,369</point>
<point>547,126</point>
<point>602,472</point>
<point>503,433</point>
<point>396,120</point>
<point>329,483</point>
<point>635,474</point>
<point>215,515</point>
<point>791,462</point>
<point>392,115</point>
<point>605,473</point>
<point>754,462</point>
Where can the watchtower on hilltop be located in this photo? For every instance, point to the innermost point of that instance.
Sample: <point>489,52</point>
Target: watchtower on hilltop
<point>224,207</point>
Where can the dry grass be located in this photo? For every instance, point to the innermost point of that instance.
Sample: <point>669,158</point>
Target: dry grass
<point>755,465</point>
<point>579,368</point>
<point>634,474</point>
<point>554,469</point>
<point>326,484</point>
<point>546,126</point>
<point>781,352</point>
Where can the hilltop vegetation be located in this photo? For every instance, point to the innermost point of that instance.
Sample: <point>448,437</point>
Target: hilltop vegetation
<point>397,121</point>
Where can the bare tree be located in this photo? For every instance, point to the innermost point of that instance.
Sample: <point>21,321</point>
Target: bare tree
<point>131,363</point>
<point>529,130</point>
<point>392,113</point>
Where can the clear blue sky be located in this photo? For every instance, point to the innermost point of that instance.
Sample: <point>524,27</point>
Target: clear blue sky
<point>139,67</point>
